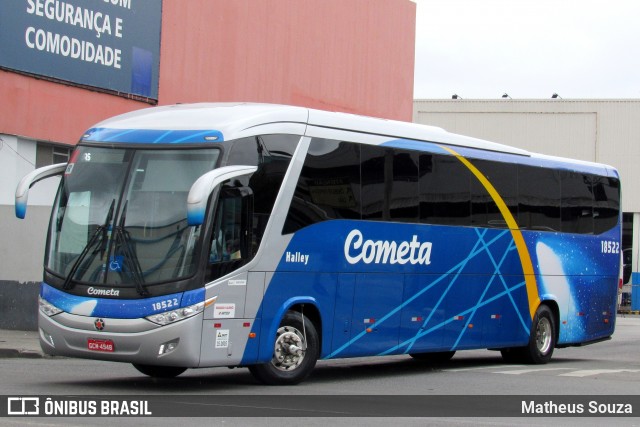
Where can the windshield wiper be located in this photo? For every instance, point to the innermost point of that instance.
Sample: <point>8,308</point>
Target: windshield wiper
<point>131,262</point>
<point>99,234</point>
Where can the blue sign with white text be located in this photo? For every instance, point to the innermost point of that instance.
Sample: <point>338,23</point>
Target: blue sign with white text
<point>108,44</point>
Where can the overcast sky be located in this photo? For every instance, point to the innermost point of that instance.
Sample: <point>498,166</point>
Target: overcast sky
<point>480,49</point>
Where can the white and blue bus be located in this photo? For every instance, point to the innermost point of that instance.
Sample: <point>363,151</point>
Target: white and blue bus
<point>269,237</point>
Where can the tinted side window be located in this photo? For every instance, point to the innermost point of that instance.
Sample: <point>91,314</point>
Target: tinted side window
<point>504,178</point>
<point>445,196</point>
<point>376,169</point>
<point>606,209</point>
<point>329,185</point>
<point>256,150</point>
<point>342,180</point>
<point>538,198</point>
<point>577,203</point>
<point>244,151</point>
<point>405,190</point>
<point>389,184</point>
<point>272,154</point>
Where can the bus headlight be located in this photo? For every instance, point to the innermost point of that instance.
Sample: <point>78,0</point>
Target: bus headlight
<point>47,308</point>
<point>179,314</point>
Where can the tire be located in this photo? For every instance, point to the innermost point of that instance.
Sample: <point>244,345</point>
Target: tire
<point>542,340</point>
<point>295,352</point>
<point>437,357</point>
<point>159,371</point>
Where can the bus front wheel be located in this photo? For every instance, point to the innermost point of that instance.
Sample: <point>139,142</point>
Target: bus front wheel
<point>542,340</point>
<point>295,352</point>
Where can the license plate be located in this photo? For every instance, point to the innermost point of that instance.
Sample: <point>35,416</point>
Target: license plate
<point>100,345</point>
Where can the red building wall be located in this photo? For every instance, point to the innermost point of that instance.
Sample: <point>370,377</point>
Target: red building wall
<point>54,112</point>
<point>354,56</point>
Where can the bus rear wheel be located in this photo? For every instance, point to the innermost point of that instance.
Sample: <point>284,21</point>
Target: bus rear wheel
<point>542,340</point>
<point>295,352</point>
<point>159,371</point>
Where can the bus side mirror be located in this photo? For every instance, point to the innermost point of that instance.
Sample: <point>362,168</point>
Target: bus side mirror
<point>22,191</point>
<point>202,188</point>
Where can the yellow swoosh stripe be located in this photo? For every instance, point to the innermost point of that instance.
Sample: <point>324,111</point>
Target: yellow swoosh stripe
<point>518,238</point>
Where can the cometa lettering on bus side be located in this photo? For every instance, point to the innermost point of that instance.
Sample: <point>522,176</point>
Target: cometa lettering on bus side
<point>357,249</point>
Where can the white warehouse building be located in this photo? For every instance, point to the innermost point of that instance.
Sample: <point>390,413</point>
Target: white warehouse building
<point>597,130</point>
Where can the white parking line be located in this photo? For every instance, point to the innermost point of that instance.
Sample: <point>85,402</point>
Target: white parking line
<point>528,371</point>
<point>577,373</point>
<point>592,372</point>
<point>479,368</point>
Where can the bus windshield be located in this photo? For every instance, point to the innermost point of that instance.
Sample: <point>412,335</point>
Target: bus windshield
<point>120,217</point>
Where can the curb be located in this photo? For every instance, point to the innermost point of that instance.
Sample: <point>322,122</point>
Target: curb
<point>8,353</point>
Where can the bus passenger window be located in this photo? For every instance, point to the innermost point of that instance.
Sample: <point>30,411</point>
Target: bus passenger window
<point>606,193</point>
<point>405,197</point>
<point>576,208</point>
<point>484,209</point>
<point>538,198</point>
<point>445,197</point>
<point>376,182</point>
<point>328,187</point>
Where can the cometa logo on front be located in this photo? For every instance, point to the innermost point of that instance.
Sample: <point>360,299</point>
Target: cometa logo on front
<point>103,292</point>
<point>357,249</point>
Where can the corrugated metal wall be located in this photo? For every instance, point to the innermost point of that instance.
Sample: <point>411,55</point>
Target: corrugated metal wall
<point>605,131</point>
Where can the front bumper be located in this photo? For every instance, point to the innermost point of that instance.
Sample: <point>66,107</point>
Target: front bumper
<point>134,340</point>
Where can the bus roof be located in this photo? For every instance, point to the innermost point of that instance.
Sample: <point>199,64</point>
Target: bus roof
<point>217,122</point>
<point>233,120</point>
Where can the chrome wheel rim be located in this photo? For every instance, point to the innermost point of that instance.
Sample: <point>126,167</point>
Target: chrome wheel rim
<point>290,349</point>
<point>543,336</point>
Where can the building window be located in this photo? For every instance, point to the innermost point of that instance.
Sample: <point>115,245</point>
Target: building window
<point>49,154</point>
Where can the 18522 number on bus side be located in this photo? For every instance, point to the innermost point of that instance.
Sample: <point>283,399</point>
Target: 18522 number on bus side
<point>610,247</point>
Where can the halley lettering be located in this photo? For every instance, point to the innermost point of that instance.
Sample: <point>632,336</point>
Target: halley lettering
<point>356,249</point>
<point>297,257</point>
